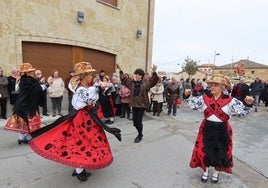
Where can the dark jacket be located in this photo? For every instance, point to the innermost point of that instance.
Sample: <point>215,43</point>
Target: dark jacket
<point>66,84</point>
<point>139,89</point>
<point>29,98</point>
<point>240,91</point>
<point>173,92</point>
<point>3,86</point>
<point>12,89</point>
<point>256,87</point>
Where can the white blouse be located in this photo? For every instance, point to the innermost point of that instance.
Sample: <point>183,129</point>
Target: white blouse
<point>85,96</point>
<point>235,106</point>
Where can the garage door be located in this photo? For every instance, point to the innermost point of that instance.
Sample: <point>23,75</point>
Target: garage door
<point>48,57</point>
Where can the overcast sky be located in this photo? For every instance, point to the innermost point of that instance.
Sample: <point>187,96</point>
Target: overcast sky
<point>237,29</point>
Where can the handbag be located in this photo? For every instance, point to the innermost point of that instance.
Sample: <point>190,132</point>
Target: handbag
<point>178,101</point>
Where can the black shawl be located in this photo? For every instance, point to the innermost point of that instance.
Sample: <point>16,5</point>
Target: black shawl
<point>29,98</point>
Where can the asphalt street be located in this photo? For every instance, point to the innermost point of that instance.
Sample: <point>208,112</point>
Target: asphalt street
<point>160,160</point>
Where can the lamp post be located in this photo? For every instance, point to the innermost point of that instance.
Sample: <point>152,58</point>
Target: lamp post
<point>214,60</point>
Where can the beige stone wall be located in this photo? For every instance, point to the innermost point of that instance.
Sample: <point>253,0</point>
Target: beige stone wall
<point>106,28</point>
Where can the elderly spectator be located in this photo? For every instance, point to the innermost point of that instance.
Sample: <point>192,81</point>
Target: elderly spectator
<point>13,82</point>
<point>3,94</point>
<point>173,93</point>
<point>256,89</point>
<point>125,96</point>
<point>55,92</point>
<point>116,96</point>
<point>188,84</point>
<point>157,98</point>
<point>42,81</point>
<point>70,93</point>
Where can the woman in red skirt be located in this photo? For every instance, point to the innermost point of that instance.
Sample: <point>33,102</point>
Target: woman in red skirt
<point>77,139</point>
<point>214,144</point>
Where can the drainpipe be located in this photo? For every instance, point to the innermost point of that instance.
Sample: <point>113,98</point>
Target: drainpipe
<point>148,36</point>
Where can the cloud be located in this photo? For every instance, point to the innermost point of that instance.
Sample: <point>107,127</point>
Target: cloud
<point>236,29</point>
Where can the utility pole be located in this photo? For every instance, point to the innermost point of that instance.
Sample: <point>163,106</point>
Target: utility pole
<point>214,60</point>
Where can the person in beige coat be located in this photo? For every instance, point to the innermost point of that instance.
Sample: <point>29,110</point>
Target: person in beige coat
<point>55,92</point>
<point>157,97</point>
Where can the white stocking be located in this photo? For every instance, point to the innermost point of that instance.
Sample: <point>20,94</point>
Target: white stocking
<point>79,170</point>
<point>21,136</point>
<point>206,172</point>
<point>215,174</point>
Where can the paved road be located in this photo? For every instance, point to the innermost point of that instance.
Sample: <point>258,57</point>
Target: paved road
<point>160,160</point>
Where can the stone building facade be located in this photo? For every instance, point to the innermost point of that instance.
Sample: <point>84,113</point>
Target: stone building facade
<point>56,34</point>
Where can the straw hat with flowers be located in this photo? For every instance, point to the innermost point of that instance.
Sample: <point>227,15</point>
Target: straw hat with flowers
<point>82,68</point>
<point>79,69</point>
<point>220,79</point>
<point>26,67</point>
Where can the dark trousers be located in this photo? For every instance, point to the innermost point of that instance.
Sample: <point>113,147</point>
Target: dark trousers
<point>3,103</point>
<point>174,107</point>
<point>137,118</point>
<point>70,106</point>
<point>118,109</point>
<point>56,104</point>
<point>44,107</point>
<point>125,109</point>
<point>157,107</point>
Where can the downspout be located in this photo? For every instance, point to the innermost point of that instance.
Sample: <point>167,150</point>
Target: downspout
<point>148,36</point>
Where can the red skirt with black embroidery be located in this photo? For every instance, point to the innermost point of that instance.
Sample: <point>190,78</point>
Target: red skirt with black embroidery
<point>199,156</point>
<point>79,142</point>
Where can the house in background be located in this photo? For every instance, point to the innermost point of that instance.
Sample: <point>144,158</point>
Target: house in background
<point>246,68</point>
<point>57,34</point>
<point>208,68</point>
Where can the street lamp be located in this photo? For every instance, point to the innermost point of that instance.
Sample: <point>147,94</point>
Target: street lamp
<point>214,60</point>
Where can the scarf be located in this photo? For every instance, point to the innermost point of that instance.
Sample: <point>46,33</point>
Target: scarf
<point>137,87</point>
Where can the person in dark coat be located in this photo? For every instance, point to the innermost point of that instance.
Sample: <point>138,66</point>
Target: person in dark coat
<point>240,90</point>
<point>70,93</point>
<point>3,94</point>
<point>13,86</point>
<point>173,93</point>
<point>42,81</point>
<point>139,100</point>
<point>256,89</point>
